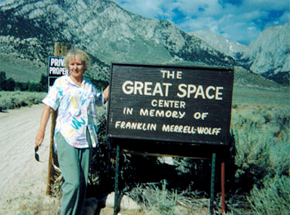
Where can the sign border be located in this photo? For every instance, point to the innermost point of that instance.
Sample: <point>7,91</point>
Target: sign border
<point>119,138</point>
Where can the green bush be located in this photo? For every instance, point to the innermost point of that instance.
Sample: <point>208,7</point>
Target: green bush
<point>155,200</point>
<point>16,99</point>
<point>261,156</point>
<point>261,141</point>
<point>273,197</point>
<point>262,149</point>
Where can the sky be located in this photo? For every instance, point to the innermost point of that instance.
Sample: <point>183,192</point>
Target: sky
<point>237,20</point>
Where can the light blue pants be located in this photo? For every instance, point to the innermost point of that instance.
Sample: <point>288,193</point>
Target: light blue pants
<point>74,164</point>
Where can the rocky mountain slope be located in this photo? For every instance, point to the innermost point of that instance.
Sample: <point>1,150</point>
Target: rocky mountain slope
<point>268,55</point>
<point>106,31</point>
<point>220,43</point>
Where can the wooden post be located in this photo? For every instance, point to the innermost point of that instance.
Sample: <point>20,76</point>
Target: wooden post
<point>213,163</point>
<point>223,186</point>
<point>117,194</point>
<point>60,49</point>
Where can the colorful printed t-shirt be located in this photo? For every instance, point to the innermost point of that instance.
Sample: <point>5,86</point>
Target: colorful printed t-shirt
<point>76,110</point>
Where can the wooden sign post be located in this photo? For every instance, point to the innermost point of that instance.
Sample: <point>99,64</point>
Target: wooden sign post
<point>60,49</point>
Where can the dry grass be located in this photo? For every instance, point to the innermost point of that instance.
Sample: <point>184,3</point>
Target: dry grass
<point>29,203</point>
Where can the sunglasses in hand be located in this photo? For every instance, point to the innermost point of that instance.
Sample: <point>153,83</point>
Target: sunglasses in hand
<point>36,155</point>
<point>42,152</point>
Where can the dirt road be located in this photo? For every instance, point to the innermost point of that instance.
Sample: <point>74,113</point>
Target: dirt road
<point>20,174</point>
<point>22,179</point>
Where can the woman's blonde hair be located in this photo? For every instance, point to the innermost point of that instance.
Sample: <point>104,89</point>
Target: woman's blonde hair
<point>84,57</point>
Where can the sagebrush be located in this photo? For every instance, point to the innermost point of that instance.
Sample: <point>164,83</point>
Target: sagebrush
<point>17,99</point>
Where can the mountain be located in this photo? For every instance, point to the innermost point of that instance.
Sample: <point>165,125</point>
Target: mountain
<point>268,55</point>
<point>220,43</point>
<point>106,31</point>
<point>109,33</point>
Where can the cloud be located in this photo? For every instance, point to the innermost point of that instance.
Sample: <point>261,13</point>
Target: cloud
<point>198,7</point>
<point>147,8</point>
<point>266,4</point>
<point>284,18</point>
<point>238,20</point>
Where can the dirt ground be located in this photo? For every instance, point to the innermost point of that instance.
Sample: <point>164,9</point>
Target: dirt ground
<point>22,178</point>
<point>20,175</point>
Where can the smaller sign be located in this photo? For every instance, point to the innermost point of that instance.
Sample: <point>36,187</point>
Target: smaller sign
<point>55,68</point>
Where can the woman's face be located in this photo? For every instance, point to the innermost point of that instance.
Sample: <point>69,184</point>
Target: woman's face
<point>76,67</point>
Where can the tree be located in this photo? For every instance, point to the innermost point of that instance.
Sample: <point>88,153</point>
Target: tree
<point>6,84</point>
<point>35,87</point>
<point>2,80</point>
<point>10,84</point>
<point>43,82</point>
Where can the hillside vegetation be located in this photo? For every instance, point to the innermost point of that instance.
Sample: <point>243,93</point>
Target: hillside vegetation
<point>23,70</point>
<point>257,174</point>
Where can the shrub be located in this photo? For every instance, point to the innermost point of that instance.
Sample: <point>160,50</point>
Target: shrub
<point>261,142</point>
<point>273,197</point>
<point>10,100</point>
<point>155,200</point>
<point>262,157</point>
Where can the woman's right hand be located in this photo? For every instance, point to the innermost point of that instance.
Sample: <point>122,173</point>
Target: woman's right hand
<point>39,139</point>
<point>44,119</point>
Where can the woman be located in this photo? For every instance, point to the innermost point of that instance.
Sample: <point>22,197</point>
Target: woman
<point>76,99</point>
